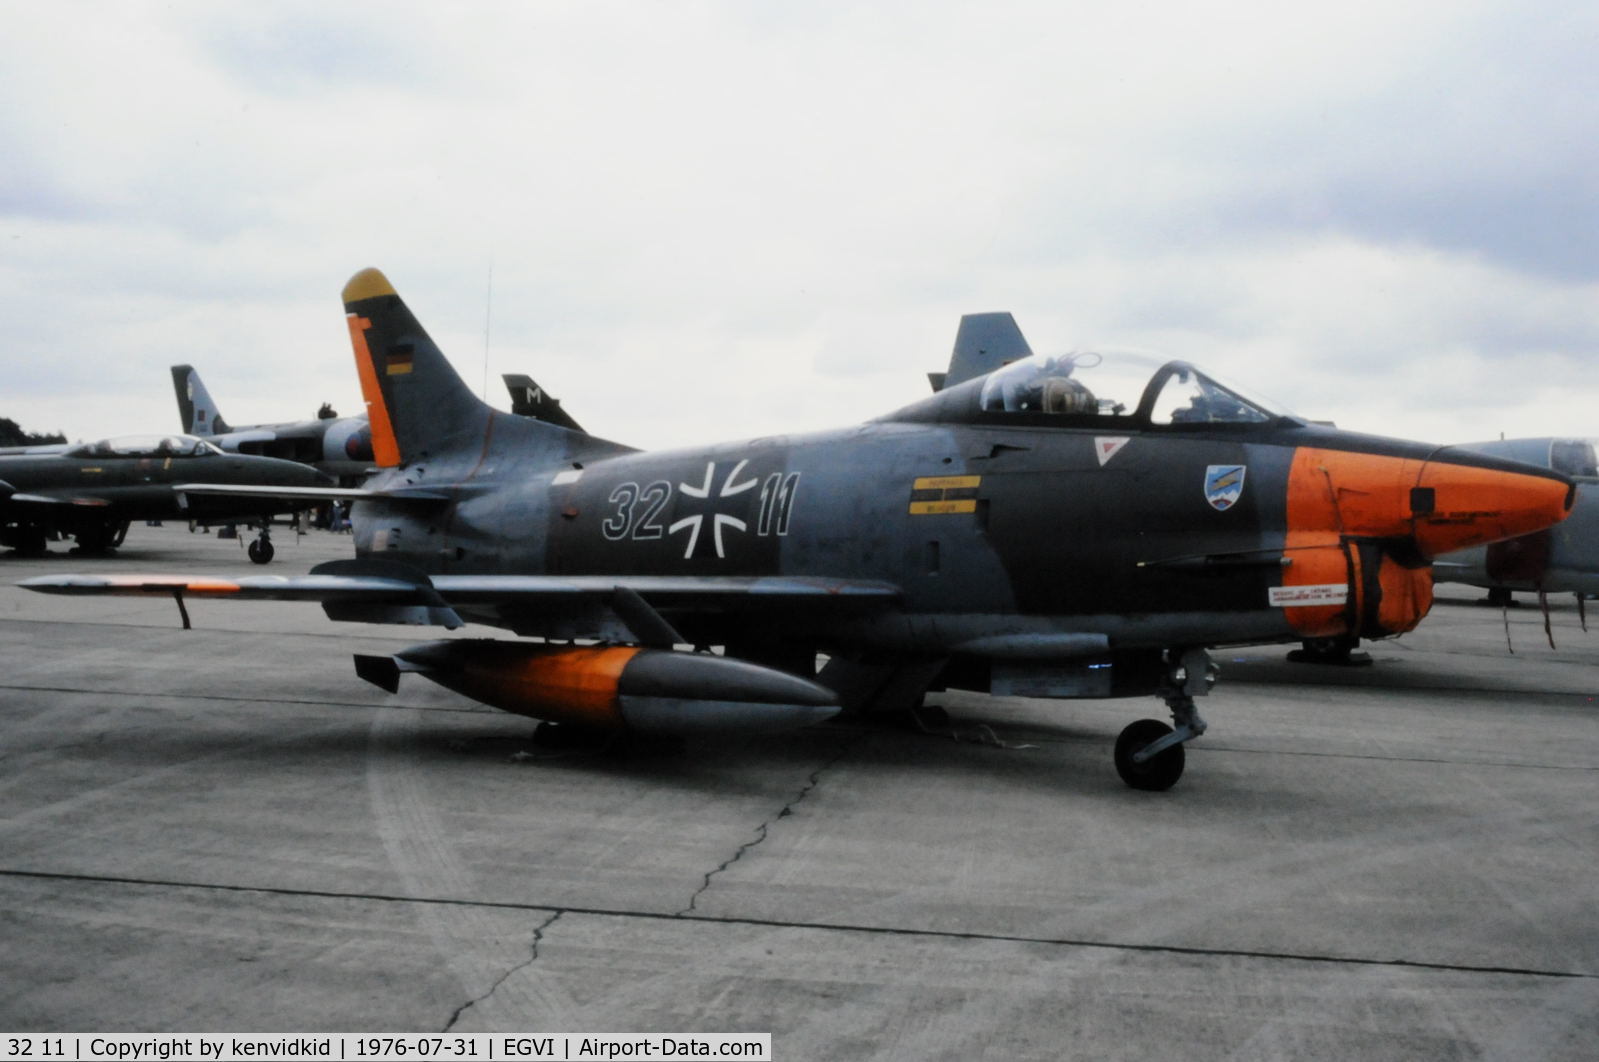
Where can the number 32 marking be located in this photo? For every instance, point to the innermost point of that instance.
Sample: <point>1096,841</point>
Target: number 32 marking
<point>636,511</point>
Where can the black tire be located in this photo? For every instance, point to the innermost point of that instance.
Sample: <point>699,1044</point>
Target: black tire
<point>1153,775</point>
<point>97,541</point>
<point>261,551</point>
<point>571,737</point>
<point>28,542</point>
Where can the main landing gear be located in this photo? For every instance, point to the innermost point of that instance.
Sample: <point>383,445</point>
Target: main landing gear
<point>1149,754</point>
<point>100,539</point>
<point>261,550</point>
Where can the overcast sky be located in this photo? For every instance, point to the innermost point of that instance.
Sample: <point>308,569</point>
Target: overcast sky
<point>695,221</point>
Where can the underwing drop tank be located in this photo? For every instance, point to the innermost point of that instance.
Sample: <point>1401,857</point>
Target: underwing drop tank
<point>612,687</point>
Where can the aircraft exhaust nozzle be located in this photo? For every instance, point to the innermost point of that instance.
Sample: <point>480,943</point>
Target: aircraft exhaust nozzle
<point>614,687</point>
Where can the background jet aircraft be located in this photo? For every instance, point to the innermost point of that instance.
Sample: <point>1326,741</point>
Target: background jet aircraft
<point>338,446</point>
<point>983,342</point>
<point>1560,559</point>
<point>528,399</point>
<point>92,491</point>
<point>1072,526</point>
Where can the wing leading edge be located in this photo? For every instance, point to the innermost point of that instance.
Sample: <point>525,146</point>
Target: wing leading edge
<point>622,608</point>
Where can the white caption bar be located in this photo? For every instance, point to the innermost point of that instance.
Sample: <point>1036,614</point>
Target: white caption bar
<point>351,1047</point>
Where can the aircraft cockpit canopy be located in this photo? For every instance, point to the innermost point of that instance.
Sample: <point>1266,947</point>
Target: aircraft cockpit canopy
<point>146,446</point>
<point>1093,384</point>
<point>1574,457</point>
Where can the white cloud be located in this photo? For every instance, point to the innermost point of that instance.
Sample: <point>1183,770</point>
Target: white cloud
<point>726,218</point>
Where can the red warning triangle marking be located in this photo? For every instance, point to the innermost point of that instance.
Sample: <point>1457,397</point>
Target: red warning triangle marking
<point>1107,446</point>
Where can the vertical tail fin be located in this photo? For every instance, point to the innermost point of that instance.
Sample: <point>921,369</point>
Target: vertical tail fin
<point>983,343</point>
<point>196,410</point>
<point>528,399</point>
<point>420,408</point>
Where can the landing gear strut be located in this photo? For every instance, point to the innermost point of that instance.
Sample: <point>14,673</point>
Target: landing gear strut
<point>1149,754</point>
<point>101,538</point>
<point>1500,597</point>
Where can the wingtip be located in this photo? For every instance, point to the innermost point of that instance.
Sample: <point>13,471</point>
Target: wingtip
<point>367,284</point>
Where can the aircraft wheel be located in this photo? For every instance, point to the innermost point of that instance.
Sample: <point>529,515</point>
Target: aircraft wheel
<point>261,551</point>
<point>1157,774</point>
<point>569,737</point>
<point>29,541</point>
<point>97,540</point>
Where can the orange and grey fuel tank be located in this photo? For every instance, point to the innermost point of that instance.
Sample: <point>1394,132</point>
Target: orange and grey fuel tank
<point>613,687</point>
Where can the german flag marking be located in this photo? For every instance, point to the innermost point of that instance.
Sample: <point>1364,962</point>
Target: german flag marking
<point>398,361</point>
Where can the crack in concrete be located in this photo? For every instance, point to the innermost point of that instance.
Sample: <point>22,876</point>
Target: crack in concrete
<point>910,932</point>
<point>761,831</point>
<point>533,957</point>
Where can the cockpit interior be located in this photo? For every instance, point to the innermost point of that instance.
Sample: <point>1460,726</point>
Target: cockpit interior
<point>1092,384</point>
<point>146,446</point>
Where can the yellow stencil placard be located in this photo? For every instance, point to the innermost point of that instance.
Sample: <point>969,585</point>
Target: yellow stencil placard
<point>940,495</point>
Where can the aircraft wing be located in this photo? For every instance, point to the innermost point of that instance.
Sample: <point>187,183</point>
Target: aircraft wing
<point>10,494</point>
<point>54,499</point>
<point>609,607</point>
<point>418,494</point>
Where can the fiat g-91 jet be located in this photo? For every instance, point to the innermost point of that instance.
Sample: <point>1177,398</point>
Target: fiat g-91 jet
<point>92,490</point>
<point>1082,525</point>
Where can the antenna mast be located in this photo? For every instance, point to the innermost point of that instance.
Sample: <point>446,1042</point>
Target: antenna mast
<point>488,319</point>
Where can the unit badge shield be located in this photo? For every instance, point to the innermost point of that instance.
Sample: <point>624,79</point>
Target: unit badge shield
<point>1224,484</point>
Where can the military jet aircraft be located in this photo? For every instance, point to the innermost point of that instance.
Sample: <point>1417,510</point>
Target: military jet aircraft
<point>528,399</point>
<point>1078,525</point>
<point>339,446</point>
<point>91,491</point>
<point>983,342</point>
<point>1562,559</point>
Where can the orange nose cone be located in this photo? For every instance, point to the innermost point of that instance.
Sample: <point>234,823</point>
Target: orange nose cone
<point>1461,505</point>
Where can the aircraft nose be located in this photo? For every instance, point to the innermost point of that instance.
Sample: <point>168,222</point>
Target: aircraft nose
<point>1442,500</point>
<point>1462,499</point>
